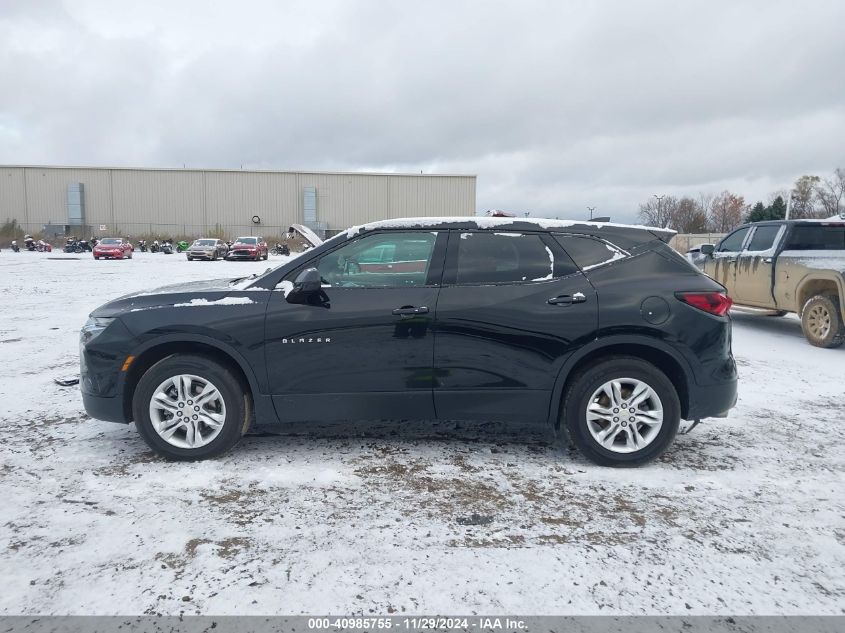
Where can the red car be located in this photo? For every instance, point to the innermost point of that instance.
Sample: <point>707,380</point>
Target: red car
<point>113,248</point>
<point>248,248</point>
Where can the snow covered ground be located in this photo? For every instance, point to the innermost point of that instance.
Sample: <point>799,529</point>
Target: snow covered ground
<point>743,516</point>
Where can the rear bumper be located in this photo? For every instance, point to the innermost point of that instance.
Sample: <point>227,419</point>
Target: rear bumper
<point>103,408</point>
<point>712,401</point>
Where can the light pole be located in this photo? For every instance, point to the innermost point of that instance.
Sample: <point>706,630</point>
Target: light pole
<point>591,209</point>
<point>659,198</point>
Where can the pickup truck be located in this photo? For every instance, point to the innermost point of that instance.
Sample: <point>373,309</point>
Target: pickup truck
<point>786,266</point>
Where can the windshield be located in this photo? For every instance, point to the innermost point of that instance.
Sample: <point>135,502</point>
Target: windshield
<point>111,240</point>
<point>204,243</point>
<point>247,240</point>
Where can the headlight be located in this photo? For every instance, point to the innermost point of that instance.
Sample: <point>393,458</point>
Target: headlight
<point>93,328</point>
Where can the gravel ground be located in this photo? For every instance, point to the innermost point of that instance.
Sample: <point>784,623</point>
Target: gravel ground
<point>742,516</point>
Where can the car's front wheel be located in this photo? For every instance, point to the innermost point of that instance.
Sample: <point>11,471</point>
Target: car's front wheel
<point>621,411</point>
<point>190,407</point>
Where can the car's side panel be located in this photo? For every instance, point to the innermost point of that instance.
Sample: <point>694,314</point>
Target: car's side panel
<point>498,347</point>
<point>349,354</point>
<point>637,298</point>
<point>754,274</point>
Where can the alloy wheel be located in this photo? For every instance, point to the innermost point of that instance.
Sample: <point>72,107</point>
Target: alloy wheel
<point>624,415</point>
<point>187,411</point>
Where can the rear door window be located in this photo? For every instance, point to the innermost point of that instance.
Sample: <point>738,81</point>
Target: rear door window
<point>763,238</point>
<point>502,257</point>
<point>808,237</point>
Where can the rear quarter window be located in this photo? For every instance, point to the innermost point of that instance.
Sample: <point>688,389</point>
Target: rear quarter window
<point>816,238</point>
<point>588,252</point>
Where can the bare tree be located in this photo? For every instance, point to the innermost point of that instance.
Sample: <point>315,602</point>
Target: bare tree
<point>689,217</point>
<point>726,212</point>
<point>658,213</point>
<point>831,193</point>
<point>804,197</point>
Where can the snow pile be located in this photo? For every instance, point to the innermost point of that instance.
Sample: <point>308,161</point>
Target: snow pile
<point>225,301</point>
<point>487,223</point>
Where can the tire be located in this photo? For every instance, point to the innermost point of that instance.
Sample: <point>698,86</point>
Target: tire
<point>190,259</point>
<point>130,254</point>
<point>236,407</point>
<point>266,256</point>
<point>630,372</point>
<point>821,321</point>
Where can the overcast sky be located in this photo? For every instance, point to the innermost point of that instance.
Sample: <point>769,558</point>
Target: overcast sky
<point>555,106</point>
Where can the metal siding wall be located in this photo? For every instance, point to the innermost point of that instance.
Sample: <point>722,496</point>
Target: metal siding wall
<point>12,195</point>
<point>157,201</point>
<point>170,201</point>
<point>46,190</point>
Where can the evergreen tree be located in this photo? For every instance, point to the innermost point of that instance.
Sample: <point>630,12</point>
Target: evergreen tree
<point>778,209</point>
<point>758,213</point>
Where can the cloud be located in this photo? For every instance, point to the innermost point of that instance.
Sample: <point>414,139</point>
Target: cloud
<point>555,106</point>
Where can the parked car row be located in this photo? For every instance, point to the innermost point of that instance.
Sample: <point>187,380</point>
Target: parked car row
<point>248,247</point>
<point>207,248</point>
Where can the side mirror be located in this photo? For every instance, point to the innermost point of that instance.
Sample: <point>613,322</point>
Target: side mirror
<point>707,249</point>
<point>307,282</point>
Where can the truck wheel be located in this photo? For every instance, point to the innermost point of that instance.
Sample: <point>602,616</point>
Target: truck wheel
<point>621,411</point>
<point>821,321</point>
<point>189,407</point>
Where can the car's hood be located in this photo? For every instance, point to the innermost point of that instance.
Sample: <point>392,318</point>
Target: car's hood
<point>209,290</point>
<point>244,245</point>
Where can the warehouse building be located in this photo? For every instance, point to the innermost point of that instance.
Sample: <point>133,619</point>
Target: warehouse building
<point>96,201</point>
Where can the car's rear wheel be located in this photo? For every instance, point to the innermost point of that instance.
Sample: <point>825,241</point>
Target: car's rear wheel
<point>821,321</point>
<point>621,411</point>
<point>190,407</point>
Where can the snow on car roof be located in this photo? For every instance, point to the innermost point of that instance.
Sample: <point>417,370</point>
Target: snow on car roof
<point>489,223</point>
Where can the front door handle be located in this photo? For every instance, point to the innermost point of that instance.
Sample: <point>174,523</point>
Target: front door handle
<point>767,260</point>
<point>566,300</point>
<point>410,310</point>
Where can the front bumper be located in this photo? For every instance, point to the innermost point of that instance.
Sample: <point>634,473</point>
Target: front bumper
<point>242,254</point>
<point>200,254</point>
<point>100,377</point>
<point>103,408</point>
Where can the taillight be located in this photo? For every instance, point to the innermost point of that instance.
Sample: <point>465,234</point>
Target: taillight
<point>713,302</point>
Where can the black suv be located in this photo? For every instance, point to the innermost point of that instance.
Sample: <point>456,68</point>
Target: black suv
<point>600,330</point>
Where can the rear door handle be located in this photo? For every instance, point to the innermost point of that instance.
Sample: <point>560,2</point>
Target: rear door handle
<point>566,300</point>
<point>409,310</point>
